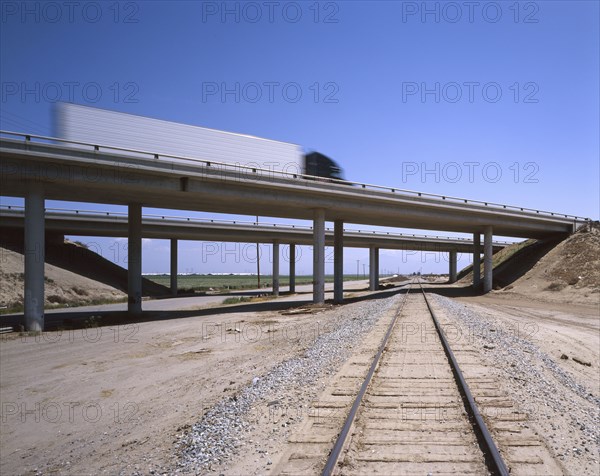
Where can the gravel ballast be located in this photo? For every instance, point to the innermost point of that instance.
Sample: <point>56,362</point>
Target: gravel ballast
<point>227,427</point>
<point>567,412</point>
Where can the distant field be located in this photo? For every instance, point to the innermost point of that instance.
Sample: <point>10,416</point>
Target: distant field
<point>204,283</point>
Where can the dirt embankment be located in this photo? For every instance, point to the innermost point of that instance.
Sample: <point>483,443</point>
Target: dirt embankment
<point>556,270</point>
<point>569,272</point>
<point>62,287</point>
<point>513,261</point>
<point>74,276</point>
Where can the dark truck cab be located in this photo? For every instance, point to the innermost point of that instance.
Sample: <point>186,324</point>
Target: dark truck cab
<point>320,165</point>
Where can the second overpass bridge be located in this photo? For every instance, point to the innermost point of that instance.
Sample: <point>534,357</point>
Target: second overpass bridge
<point>114,224</point>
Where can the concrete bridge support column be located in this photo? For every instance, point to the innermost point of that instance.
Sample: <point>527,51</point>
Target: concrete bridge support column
<point>173,267</point>
<point>476,260</point>
<point>376,269</point>
<point>487,259</point>
<point>452,270</point>
<point>338,262</point>
<point>319,256</point>
<point>276,268</point>
<point>134,259</point>
<point>34,259</point>
<point>373,268</point>
<point>292,268</point>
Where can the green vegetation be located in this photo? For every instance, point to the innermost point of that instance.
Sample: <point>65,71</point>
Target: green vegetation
<point>506,253</point>
<point>18,307</point>
<point>236,300</point>
<point>228,282</point>
<point>12,309</point>
<point>240,299</point>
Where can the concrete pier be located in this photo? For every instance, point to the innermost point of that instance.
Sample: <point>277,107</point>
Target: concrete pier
<point>34,259</point>
<point>319,256</point>
<point>452,267</point>
<point>376,268</point>
<point>292,268</point>
<point>276,268</point>
<point>487,259</point>
<point>476,259</point>
<point>338,262</point>
<point>134,260</point>
<point>373,268</point>
<point>173,267</point>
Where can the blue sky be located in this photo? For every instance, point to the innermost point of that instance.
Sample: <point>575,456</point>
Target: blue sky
<point>499,103</point>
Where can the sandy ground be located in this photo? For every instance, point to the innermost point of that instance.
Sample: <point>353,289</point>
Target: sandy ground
<point>61,286</point>
<point>561,390</point>
<point>114,400</point>
<point>567,328</point>
<point>542,424</point>
<point>130,389</point>
<point>569,273</point>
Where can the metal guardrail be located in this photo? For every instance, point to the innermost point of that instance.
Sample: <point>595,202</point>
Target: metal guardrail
<point>123,215</point>
<point>297,176</point>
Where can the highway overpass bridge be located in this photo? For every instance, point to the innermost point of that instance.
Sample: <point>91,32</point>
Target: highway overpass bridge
<point>40,168</point>
<point>60,222</point>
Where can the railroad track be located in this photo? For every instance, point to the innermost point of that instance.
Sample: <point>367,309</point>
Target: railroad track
<point>412,414</point>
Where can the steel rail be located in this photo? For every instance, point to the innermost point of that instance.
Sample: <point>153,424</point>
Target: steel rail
<point>341,439</point>
<point>490,451</point>
<point>492,456</point>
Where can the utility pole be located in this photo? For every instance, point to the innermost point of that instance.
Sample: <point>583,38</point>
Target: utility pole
<point>357,269</point>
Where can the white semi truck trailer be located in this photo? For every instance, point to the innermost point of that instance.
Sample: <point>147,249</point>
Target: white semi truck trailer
<point>116,129</point>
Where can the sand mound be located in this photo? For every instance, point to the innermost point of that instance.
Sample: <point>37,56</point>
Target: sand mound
<point>62,287</point>
<point>569,272</point>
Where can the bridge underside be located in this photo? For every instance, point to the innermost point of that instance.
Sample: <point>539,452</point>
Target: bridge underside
<point>39,171</point>
<point>93,225</point>
<point>78,175</point>
<point>217,199</point>
<point>33,225</point>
